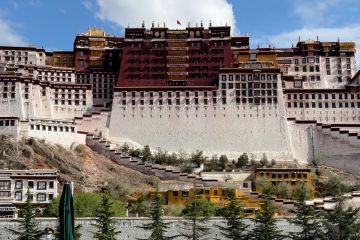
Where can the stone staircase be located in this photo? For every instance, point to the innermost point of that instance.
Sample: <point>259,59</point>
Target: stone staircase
<point>110,151</point>
<point>95,122</point>
<point>344,132</point>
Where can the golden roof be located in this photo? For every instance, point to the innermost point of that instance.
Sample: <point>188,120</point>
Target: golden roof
<point>95,32</point>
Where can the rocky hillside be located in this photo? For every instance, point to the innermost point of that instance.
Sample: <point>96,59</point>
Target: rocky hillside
<point>89,170</point>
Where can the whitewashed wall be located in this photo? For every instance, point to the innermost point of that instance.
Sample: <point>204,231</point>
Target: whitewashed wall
<point>56,132</point>
<point>222,129</point>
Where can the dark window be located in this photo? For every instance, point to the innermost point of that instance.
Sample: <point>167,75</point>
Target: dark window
<point>41,185</point>
<point>18,196</point>
<point>5,185</point>
<point>41,197</point>
<point>51,197</point>
<point>18,184</point>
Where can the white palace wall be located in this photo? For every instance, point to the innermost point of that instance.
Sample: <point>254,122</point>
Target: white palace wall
<point>57,132</point>
<point>334,147</point>
<point>42,109</point>
<point>216,129</point>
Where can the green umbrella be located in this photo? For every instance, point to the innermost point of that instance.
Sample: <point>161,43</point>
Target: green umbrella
<point>66,214</point>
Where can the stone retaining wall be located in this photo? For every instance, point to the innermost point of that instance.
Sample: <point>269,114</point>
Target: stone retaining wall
<point>129,227</point>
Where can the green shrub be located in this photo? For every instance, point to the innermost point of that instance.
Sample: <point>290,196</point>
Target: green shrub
<point>80,149</point>
<point>85,205</point>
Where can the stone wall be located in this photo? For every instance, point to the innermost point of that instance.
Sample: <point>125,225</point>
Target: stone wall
<point>129,227</point>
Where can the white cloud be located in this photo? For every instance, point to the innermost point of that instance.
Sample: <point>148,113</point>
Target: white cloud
<point>8,35</point>
<point>87,4</point>
<point>317,13</point>
<point>285,39</point>
<point>133,12</point>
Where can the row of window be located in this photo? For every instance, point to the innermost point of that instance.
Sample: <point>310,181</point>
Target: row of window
<point>249,85</point>
<point>169,94</point>
<point>97,75</point>
<point>41,185</point>
<point>210,115</point>
<point>284,175</point>
<point>60,90</point>
<point>205,101</point>
<point>7,95</point>
<point>52,73</point>
<point>248,77</point>
<point>70,96</point>
<point>323,104</point>
<point>315,68</point>
<point>339,67</point>
<point>40,197</point>
<point>103,96</point>
<point>317,60</point>
<point>53,79</point>
<point>19,53</point>
<point>12,59</point>
<point>52,128</point>
<point>7,123</point>
<point>178,44</point>
<point>320,96</point>
<point>69,102</point>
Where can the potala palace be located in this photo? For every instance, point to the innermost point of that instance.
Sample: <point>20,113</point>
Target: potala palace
<point>191,89</point>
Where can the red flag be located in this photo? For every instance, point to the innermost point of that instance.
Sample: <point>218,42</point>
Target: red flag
<point>178,22</point>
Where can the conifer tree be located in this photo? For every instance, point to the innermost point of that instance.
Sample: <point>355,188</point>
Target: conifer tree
<point>235,227</point>
<point>306,218</point>
<point>146,154</point>
<point>27,228</point>
<point>223,160</point>
<point>104,222</point>
<point>342,222</point>
<point>157,226</point>
<point>242,161</point>
<point>196,216</point>
<point>265,224</point>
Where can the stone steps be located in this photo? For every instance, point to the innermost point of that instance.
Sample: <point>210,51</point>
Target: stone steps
<point>107,149</point>
<point>344,132</point>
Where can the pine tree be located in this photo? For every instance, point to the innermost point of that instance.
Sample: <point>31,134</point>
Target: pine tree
<point>27,228</point>
<point>235,227</point>
<point>146,154</point>
<point>157,226</point>
<point>342,222</point>
<point>265,223</point>
<point>196,216</point>
<point>242,161</point>
<point>223,160</point>
<point>306,218</point>
<point>104,223</point>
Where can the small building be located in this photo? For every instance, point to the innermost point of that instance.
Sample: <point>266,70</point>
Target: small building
<point>182,193</point>
<point>241,180</point>
<point>14,184</point>
<point>287,175</point>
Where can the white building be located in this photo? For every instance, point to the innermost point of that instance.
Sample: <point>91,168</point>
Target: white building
<point>14,184</point>
<point>22,55</point>
<point>240,116</point>
<point>319,64</point>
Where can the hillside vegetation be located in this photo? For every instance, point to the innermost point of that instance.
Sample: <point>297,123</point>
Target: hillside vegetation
<point>88,170</point>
